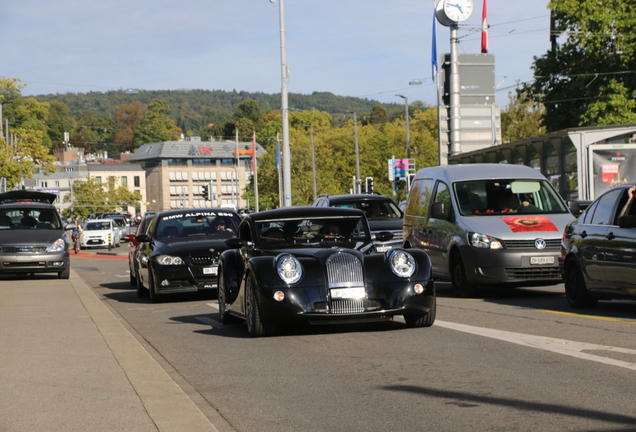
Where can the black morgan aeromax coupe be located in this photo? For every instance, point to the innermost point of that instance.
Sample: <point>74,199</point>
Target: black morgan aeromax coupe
<point>319,265</point>
<point>179,252</point>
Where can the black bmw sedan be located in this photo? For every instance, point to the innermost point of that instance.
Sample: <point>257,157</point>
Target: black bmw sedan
<point>179,251</point>
<point>598,250</point>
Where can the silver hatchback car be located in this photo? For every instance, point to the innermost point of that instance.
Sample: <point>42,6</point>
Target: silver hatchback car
<point>32,236</point>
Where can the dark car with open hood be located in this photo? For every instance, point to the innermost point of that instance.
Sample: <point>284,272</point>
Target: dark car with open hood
<point>32,236</point>
<point>320,265</point>
<point>179,251</point>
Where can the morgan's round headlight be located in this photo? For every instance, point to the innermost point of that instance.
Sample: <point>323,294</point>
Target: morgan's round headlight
<point>289,269</point>
<point>169,260</point>
<point>402,263</point>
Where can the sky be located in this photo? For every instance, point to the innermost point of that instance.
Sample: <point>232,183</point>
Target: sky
<point>361,48</point>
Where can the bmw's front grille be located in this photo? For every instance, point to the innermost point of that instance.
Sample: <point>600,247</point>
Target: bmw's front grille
<point>529,244</point>
<point>23,249</point>
<point>346,306</point>
<point>534,273</point>
<point>205,259</point>
<point>344,270</point>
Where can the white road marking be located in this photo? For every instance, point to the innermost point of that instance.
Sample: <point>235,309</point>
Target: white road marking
<point>121,276</point>
<point>209,321</point>
<point>213,305</point>
<point>559,346</point>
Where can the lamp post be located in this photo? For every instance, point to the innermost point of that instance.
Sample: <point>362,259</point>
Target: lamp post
<point>355,128</point>
<point>313,159</point>
<point>287,202</point>
<point>408,138</point>
<point>3,133</point>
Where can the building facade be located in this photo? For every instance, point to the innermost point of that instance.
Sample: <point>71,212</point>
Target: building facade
<point>176,172</point>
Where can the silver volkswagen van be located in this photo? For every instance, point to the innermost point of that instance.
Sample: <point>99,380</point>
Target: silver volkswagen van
<point>486,224</point>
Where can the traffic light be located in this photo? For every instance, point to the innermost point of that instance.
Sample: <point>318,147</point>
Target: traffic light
<point>205,192</point>
<point>397,184</point>
<point>369,184</point>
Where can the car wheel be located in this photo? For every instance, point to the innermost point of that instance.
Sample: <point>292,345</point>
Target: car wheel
<point>461,287</point>
<point>224,316</point>
<point>152,293</point>
<point>133,279</point>
<point>422,320</point>
<point>575,289</point>
<point>255,326</point>
<point>141,291</point>
<point>66,273</point>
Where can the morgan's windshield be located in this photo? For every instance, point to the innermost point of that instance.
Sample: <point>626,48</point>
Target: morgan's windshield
<point>348,232</point>
<point>497,197</point>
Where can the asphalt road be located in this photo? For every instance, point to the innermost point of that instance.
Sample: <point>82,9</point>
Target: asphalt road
<point>512,360</point>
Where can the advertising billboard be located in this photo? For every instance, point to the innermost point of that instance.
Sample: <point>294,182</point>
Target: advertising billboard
<point>611,165</point>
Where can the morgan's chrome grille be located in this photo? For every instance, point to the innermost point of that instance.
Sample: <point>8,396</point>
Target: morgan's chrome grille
<point>23,249</point>
<point>201,259</point>
<point>344,270</point>
<point>347,306</point>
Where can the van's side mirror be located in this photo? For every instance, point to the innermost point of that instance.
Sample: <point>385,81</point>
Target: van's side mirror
<point>437,211</point>
<point>627,221</point>
<point>575,207</point>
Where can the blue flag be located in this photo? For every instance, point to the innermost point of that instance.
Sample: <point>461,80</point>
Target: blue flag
<point>434,49</point>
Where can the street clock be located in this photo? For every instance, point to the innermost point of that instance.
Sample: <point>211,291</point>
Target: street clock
<point>449,12</point>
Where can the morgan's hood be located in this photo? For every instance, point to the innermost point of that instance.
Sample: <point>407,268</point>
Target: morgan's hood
<point>29,237</point>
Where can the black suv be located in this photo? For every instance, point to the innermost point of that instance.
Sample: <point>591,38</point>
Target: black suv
<point>32,236</point>
<point>381,211</point>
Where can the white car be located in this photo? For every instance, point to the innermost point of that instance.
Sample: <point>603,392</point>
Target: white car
<point>100,233</point>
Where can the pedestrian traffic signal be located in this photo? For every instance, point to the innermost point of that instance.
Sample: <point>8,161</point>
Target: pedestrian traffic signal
<point>205,192</point>
<point>398,184</point>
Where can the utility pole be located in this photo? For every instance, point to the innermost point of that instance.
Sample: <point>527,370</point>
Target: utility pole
<point>358,180</point>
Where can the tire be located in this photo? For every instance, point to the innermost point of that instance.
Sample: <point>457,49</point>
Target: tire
<point>66,273</point>
<point>224,316</point>
<point>133,279</point>
<point>141,291</point>
<point>422,320</point>
<point>576,291</point>
<point>255,326</point>
<point>154,297</point>
<point>461,287</point>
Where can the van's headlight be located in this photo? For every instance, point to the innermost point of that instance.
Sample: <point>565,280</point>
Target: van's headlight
<point>402,263</point>
<point>169,260</point>
<point>289,269</point>
<point>58,246</point>
<point>483,241</point>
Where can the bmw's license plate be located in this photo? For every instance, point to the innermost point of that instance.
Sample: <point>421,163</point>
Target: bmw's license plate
<point>541,260</point>
<point>347,293</point>
<point>210,270</point>
<point>382,248</point>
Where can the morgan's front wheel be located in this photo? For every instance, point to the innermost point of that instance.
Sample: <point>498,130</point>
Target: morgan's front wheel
<point>422,320</point>
<point>256,327</point>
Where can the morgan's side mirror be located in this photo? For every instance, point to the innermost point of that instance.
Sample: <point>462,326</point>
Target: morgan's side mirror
<point>142,238</point>
<point>383,236</point>
<point>234,243</point>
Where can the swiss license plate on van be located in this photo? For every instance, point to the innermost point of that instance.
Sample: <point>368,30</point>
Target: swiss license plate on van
<point>542,260</point>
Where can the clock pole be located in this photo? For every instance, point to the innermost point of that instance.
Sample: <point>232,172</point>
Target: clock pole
<point>455,101</point>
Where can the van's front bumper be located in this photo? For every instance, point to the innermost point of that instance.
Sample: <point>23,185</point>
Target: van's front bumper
<point>504,266</point>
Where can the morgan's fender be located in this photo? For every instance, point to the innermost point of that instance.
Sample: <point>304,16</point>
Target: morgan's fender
<point>231,264</point>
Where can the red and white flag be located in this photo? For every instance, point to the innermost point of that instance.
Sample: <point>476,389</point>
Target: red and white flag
<point>484,32</point>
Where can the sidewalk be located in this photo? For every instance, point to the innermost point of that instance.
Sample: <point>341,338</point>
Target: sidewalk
<point>68,364</point>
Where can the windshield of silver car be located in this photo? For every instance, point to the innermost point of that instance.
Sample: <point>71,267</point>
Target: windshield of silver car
<point>26,218</point>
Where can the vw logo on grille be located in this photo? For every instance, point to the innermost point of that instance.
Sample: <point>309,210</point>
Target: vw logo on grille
<point>539,244</point>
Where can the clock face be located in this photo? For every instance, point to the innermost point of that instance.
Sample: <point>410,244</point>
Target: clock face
<point>458,10</point>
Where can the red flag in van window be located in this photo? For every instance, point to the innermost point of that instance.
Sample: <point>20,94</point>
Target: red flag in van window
<point>529,223</point>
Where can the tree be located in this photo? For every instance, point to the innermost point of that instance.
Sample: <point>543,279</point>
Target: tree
<point>379,116</point>
<point>28,151</point>
<point>59,121</point>
<point>248,109</point>
<point>92,197</point>
<point>127,119</point>
<point>156,126</point>
<point>591,66</point>
<point>521,118</point>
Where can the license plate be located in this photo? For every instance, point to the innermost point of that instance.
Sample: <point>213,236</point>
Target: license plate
<point>542,260</point>
<point>24,258</point>
<point>348,293</point>
<point>210,270</point>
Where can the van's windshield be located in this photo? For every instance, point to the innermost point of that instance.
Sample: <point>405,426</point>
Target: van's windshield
<point>497,197</point>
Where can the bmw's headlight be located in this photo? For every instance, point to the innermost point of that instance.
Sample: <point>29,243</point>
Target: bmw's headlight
<point>483,241</point>
<point>169,260</point>
<point>402,263</point>
<point>58,246</point>
<point>289,269</point>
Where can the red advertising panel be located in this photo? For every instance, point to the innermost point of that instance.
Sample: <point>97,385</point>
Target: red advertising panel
<point>612,167</point>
